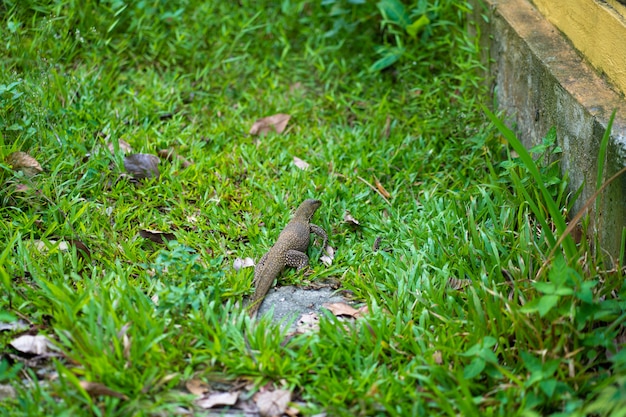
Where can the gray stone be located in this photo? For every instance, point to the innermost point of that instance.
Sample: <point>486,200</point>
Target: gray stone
<point>289,303</point>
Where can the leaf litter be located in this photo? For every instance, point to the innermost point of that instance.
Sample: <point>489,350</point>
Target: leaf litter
<point>300,163</point>
<point>214,399</point>
<point>171,155</point>
<point>328,256</point>
<point>32,345</point>
<point>21,161</point>
<point>239,263</point>
<point>142,165</point>
<point>275,123</point>
<point>96,389</point>
<point>122,146</point>
<point>15,326</point>
<point>349,219</point>
<point>272,403</point>
<point>156,236</point>
<point>343,309</point>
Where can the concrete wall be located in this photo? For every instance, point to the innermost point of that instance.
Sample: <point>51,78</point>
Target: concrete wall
<point>540,81</point>
<point>597,29</point>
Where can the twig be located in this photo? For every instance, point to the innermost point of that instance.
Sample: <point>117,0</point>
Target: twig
<point>375,189</point>
<point>572,224</point>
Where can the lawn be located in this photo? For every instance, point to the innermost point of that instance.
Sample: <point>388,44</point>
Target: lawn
<point>479,300</point>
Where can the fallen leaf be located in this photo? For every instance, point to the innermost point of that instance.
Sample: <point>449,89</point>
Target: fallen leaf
<point>307,323</point>
<point>387,128</point>
<point>44,246</point>
<point>156,236</point>
<point>96,389</point>
<point>34,345</point>
<point>122,145</point>
<point>22,188</point>
<point>300,163</point>
<point>329,255</point>
<point>142,165</point>
<point>362,311</point>
<point>242,263</point>
<point>277,123</point>
<point>81,249</point>
<point>218,398</point>
<point>292,411</point>
<point>272,403</point>
<point>347,218</point>
<point>341,309</point>
<point>21,161</point>
<point>197,387</point>
<point>15,326</point>
<point>458,284</point>
<point>171,155</point>
<point>376,245</point>
<point>61,245</point>
<point>381,189</point>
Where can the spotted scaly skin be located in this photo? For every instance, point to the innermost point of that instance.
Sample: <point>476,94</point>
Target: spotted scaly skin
<point>289,250</point>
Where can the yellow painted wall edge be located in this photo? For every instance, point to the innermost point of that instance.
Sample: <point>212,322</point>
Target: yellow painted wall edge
<point>597,29</point>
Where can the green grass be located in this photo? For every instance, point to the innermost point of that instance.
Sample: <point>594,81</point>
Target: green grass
<point>194,76</point>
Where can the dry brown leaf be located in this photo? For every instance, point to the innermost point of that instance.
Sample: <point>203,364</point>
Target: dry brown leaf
<point>458,284</point>
<point>242,263</point>
<point>156,236</point>
<point>387,128</point>
<point>272,403</point>
<point>329,255</point>
<point>15,326</point>
<point>22,188</point>
<point>43,246</point>
<point>218,398</point>
<point>96,389</point>
<point>34,345</point>
<point>292,411</point>
<point>142,165</point>
<point>300,163</point>
<point>341,309</point>
<point>381,189</point>
<point>81,249</point>
<point>362,311</point>
<point>376,244</point>
<point>276,123</point>
<point>308,323</point>
<point>123,146</point>
<point>197,387</point>
<point>347,218</point>
<point>171,155</point>
<point>21,161</point>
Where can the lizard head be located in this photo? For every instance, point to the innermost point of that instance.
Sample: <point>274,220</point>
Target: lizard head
<point>307,208</point>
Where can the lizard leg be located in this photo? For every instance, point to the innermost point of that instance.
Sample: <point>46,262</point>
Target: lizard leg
<point>321,233</point>
<point>296,259</point>
<point>258,268</point>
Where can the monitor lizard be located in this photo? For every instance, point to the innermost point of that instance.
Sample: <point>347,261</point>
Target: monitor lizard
<point>289,250</point>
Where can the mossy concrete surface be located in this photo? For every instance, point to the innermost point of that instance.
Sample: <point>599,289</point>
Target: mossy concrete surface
<point>540,81</point>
